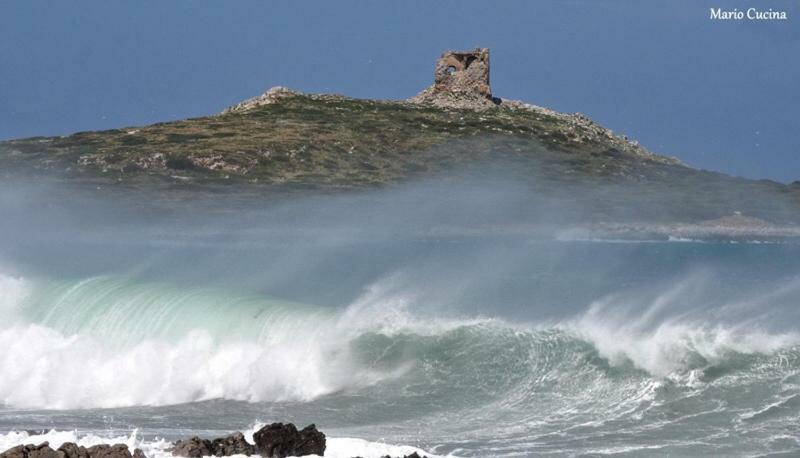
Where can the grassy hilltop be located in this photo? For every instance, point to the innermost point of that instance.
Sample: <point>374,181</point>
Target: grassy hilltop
<point>321,143</point>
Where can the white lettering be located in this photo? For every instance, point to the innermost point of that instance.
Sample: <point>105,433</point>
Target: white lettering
<point>752,14</point>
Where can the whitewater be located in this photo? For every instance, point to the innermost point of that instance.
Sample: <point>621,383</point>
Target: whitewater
<point>112,345</point>
<point>148,328</point>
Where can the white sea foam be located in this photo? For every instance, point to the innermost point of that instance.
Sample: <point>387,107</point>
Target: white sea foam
<point>662,340</point>
<point>41,367</point>
<point>297,355</point>
<point>387,307</point>
<point>44,369</point>
<point>303,354</point>
<point>13,291</point>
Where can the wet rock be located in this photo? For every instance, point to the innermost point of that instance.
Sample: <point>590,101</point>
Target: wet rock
<point>15,452</point>
<point>192,448</point>
<point>138,453</point>
<point>235,444</point>
<point>42,450</point>
<point>72,450</point>
<point>109,451</point>
<point>281,440</point>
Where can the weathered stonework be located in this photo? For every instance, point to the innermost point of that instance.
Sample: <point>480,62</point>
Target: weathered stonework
<point>466,71</point>
<point>273,95</point>
<point>461,80</point>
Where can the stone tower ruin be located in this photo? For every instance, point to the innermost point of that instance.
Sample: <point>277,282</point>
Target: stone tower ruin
<point>461,79</point>
<point>464,71</point>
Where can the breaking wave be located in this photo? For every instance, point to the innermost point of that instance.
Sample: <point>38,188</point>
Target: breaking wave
<point>112,342</point>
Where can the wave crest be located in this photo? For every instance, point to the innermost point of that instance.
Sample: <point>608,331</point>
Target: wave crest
<point>58,353</point>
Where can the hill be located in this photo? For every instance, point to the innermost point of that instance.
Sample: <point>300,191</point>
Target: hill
<point>289,142</point>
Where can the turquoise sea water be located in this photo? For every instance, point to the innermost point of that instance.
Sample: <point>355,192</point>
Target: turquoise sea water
<point>145,324</point>
<point>470,347</point>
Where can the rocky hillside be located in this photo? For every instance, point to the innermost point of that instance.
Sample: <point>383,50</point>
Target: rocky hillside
<point>322,143</point>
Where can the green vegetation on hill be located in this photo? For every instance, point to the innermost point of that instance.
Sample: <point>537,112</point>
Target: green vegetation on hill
<point>326,143</point>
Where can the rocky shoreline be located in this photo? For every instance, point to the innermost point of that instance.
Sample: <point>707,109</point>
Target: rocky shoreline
<point>276,440</point>
<point>72,450</point>
<point>734,228</point>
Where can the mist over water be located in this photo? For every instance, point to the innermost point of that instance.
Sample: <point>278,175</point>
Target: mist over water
<point>443,315</point>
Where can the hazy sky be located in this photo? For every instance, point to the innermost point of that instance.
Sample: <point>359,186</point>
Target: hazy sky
<point>718,95</point>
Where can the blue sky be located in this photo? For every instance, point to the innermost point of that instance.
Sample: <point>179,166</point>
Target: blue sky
<point>718,95</point>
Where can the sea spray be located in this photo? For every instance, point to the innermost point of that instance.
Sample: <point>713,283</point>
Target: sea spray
<point>304,353</point>
<point>663,337</point>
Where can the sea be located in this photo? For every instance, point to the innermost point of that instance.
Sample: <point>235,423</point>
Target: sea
<point>392,324</point>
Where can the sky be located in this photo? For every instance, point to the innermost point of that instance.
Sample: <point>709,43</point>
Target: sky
<point>717,95</point>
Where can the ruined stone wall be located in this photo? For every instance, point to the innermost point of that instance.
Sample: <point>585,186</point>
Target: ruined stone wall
<point>461,78</point>
<point>464,72</point>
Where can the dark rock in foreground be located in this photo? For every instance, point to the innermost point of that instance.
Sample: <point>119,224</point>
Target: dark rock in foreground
<point>276,440</point>
<point>42,450</point>
<point>194,447</point>
<point>235,444</point>
<point>109,451</point>
<point>281,440</point>
<point>71,450</point>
